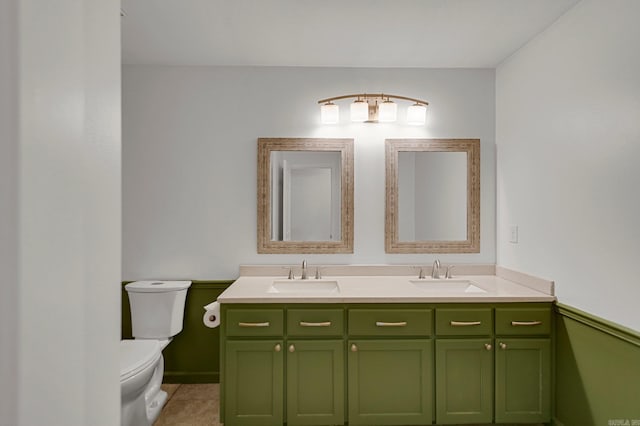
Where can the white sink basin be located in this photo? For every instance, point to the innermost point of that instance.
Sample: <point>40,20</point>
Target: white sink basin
<point>452,285</point>
<point>304,286</point>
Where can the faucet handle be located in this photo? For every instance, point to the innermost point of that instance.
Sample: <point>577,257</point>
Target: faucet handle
<point>318,276</point>
<point>448,273</point>
<point>291,276</point>
<point>421,274</point>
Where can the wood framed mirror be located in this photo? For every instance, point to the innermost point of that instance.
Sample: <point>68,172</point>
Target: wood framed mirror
<point>432,196</point>
<point>305,195</point>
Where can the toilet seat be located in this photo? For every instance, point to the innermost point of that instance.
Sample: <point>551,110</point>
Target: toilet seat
<point>136,355</point>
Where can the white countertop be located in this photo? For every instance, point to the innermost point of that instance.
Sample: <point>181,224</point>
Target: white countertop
<point>383,289</point>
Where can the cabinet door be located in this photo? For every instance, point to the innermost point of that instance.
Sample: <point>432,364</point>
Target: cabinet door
<point>464,381</point>
<point>523,380</point>
<point>315,382</point>
<point>254,382</point>
<point>390,382</point>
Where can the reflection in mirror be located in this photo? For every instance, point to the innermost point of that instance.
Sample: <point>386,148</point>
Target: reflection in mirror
<point>432,186</point>
<point>433,196</point>
<point>305,195</point>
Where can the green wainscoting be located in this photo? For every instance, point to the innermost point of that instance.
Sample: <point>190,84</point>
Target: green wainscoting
<point>597,371</point>
<point>194,355</point>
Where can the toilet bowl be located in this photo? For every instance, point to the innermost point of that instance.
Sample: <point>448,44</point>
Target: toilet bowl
<point>157,310</point>
<point>139,361</point>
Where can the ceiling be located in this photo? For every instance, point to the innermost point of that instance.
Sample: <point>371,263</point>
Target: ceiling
<point>335,33</point>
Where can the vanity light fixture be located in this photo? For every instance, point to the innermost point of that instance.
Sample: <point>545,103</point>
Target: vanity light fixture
<point>373,108</point>
<point>329,113</point>
<point>417,114</point>
<point>359,111</point>
<point>387,111</point>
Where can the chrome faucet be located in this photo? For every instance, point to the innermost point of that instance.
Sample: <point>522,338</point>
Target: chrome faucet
<point>435,272</point>
<point>304,270</point>
<point>448,274</point>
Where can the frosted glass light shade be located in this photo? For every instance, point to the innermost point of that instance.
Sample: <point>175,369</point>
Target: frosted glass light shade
<point>359,111</point>
<point>387,112</point>
<point>329,113</point>
<point>417,115</point>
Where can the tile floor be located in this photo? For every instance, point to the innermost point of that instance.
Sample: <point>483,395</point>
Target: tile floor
<point>196,405</point>
<point>190,405</point>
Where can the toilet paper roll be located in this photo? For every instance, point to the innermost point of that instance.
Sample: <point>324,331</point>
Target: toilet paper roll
<point>211,316</point>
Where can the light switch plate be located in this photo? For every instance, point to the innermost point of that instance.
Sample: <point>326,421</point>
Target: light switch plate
<point>513,234</point>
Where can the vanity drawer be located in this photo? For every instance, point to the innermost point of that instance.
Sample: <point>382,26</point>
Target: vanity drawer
<point>464,322</point>
<point>315,322</point>
<point>390,322</point>
<point>254,322</point>
<point>523,321</point>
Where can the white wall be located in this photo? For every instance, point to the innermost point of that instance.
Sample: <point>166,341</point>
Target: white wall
<point>568,136</point>
<point>189,158</point>
<point>9,339</point>
<point>60,174</point>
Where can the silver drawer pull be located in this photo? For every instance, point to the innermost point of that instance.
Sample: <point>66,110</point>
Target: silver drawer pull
<point>525,323</point>
<point>391,324</point>
<point>254,324</point>
<point>464,323</point>
<point>315,324</point>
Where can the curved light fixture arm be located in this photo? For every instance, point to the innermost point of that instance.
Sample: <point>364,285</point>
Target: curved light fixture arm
<point>373,96</point>
<point>373,108</point>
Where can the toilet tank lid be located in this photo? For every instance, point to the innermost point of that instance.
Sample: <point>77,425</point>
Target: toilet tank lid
<point>157,286</point>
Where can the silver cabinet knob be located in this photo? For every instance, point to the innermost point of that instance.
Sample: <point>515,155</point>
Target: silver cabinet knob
<point>277,348</point>
<point>487,346</point>
<point>292,348</point>
<point>354,348</point>
<point>503,346</point>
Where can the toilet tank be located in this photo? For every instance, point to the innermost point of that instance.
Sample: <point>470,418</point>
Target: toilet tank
<point>157,308</point>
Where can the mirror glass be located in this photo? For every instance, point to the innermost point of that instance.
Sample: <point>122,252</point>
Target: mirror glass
<point>433,196</point>
<point>305,195</point>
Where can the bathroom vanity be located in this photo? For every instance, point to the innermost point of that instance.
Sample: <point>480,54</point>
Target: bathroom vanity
<point>385,350</point>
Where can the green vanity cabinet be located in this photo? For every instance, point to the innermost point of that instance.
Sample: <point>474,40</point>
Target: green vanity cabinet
<point>385,364</point>
<point>523,370</point>
<point>283,366</point>
<point>253,373</point>
<point>315,371</point>
<point>390,382</point>
<point>464,381</point>
<point>390,362</point>
<point>478,381</point>
<point>464,365</point>
<point>523,365</point>
<point>254,385</point>
<point>315,382</point>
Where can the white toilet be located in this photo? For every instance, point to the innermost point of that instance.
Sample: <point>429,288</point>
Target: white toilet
<point>157,312</point>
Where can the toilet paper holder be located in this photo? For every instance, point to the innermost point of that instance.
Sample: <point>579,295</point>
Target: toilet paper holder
<point>211,316</point>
